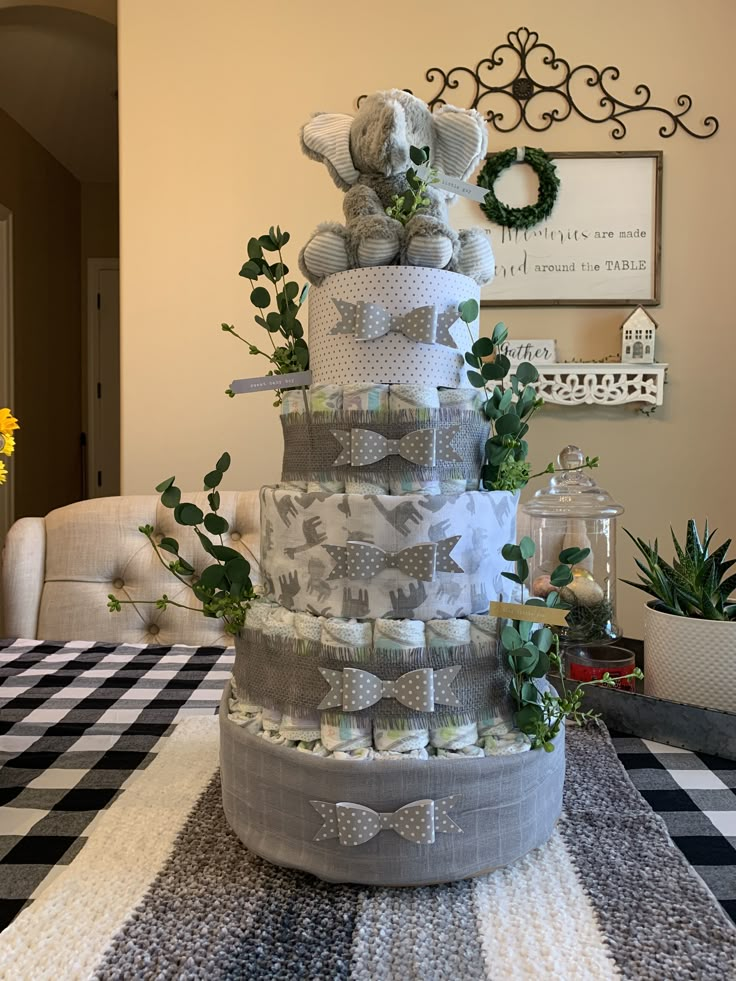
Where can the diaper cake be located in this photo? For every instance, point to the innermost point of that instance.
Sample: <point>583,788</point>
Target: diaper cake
<point>367,732</point>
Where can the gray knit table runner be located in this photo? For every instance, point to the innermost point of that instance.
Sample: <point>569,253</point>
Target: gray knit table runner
<point>218,912</point>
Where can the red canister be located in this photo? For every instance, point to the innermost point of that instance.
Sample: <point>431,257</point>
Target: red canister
<point>591,663</point>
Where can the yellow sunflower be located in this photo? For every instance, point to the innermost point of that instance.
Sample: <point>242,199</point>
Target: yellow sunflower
<point>7,444</point>
<point>3,472</point>
<point>8,422</point>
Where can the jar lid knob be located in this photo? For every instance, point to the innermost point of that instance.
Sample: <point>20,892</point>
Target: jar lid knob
<point>571,458</point>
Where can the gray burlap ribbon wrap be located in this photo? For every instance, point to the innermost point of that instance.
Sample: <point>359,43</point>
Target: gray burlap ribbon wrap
<point>286,674</point>
<point>358,444</point>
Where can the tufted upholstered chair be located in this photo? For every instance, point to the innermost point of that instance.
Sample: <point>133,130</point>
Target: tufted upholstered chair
<point>57,571</point>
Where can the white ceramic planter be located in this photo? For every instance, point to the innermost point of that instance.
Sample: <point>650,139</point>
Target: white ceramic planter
<point>689,660</point>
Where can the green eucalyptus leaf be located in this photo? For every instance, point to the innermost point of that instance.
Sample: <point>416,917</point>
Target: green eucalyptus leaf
<point>472,360</point>
<point>511,638</point>
<point>214,500</point>
<point>260,297</point>
<point>512,553</point>
<point>254,249</point>
<point>250,270</point>
<point>530,692</point>
<point>267,243</point>
<point>543,639</point>
<point>204,541</point>
<point>571,556</point>
<point>212,577</point>
<point>237,570</point>
<point>188,514</point>
<point>493,370</point>
<point>525,630</point>
<point>499,334</point>
<point>212,479</point>
<point>165,484</point>
<point>215,524</point>
<point>224,553</point>
<point>527,547</point>
<point>512,577</point>
<point>417,155</point>
<point>476,380</point>
<point>171,497</point>
<point>483,347</point>
<point>468,311</point>
<point>169,545</point>
<point>223,464</point>
<point>562,576</point>
<point>508,425</point>
<point>526,373</point>
<point>291,289</point>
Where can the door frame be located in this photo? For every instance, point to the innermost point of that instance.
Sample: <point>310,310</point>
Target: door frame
<point>7,354</point>
<point>92,350</point>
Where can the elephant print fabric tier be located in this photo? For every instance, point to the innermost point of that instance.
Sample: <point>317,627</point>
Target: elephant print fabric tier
<point>371,556</point>
<point>391,325</point>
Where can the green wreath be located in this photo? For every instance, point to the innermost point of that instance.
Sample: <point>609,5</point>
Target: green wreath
<point>531,214</point>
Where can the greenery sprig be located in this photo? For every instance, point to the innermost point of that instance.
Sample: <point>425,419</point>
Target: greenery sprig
<point>531,214</point>
<point>405,206</point>
<point>693,585</point>
<point>291,354</point>
<point>532,652</point>
<point>509,408</point>
<point>224,588</point>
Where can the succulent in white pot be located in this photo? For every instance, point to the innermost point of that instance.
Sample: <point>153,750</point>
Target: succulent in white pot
<point>690,624</point>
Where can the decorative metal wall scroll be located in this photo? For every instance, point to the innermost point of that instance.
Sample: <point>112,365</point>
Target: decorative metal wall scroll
<point>525,83</point>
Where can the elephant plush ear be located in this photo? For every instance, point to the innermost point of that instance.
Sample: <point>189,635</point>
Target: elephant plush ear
<point>461,141</point>
<point>326,137</point>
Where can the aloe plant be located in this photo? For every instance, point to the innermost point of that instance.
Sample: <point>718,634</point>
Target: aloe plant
<point>693,585</point>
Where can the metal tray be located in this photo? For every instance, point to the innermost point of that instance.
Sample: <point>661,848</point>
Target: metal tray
<point>701,730</point>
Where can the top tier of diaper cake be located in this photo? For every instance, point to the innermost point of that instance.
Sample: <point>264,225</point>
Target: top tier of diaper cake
<point>396,325</point>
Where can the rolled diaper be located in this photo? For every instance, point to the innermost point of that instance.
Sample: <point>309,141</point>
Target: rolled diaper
<point>466,753</point>
<point>325,398</point>
<point>279,623</point>
<point>359,485</point>
<point>413,754</point>
<point>412,397</point>
<point>459,398</point>
<point>506,745</point>
<point>399,735</point>
<point>456,485</point>
<point>340,732</point>
<point>456,733</point>
<point>365,398</point>
<point>303,726</point>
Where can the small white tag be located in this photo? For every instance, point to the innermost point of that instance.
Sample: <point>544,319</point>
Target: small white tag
<point>454,185</point>
<point>297,379</point>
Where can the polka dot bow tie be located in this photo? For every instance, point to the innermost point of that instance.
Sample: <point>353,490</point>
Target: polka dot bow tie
<point>354,690</point>
<point>354,824</point>
<point>359,560</point>
<point>367,321</point>
<point>425,447</point>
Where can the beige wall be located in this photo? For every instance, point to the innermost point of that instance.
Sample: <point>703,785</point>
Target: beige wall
<point>44,199</point>
<point>210,107</point>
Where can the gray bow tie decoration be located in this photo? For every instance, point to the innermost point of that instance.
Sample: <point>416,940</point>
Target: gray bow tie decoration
<point>359,560</point>
<point>366,321</point>
<point>354,824</point>
<point>354,690</point>
<point>425,447</point>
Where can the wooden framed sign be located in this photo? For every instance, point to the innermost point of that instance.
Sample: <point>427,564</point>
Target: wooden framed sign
<point>599,247</point>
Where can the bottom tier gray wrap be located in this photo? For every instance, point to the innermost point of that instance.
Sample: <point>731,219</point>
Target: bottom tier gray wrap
<point>505,806</point>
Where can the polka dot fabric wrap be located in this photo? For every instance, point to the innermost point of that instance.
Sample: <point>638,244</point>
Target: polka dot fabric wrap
<point>343,359</point>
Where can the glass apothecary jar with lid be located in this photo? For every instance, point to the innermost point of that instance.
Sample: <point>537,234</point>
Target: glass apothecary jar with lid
<point>572,511</point>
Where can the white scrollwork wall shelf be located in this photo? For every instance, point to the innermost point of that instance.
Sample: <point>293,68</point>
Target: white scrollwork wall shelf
<point>602,384</point>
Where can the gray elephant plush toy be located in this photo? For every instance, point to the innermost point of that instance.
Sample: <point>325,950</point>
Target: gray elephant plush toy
<point>367,156</point>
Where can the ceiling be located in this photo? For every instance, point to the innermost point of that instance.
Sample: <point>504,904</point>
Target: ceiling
<point>58,80</point>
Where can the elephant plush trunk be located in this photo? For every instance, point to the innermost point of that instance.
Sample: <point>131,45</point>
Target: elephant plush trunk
<point>378,137</point>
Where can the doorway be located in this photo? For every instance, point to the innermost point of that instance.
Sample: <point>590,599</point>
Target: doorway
<point>102,464</point>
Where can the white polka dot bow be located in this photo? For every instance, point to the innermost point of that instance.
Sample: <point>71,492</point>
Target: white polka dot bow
<point>425,447</point>
<point>354,690</point>
<point>367,321</point>
<point>359,560</point>
<point>418,822</point>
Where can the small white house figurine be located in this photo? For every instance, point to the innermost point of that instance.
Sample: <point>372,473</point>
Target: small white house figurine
<point>637,338</point>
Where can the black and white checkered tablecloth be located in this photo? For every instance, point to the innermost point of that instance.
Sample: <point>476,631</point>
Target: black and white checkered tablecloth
<point>77,720</point>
